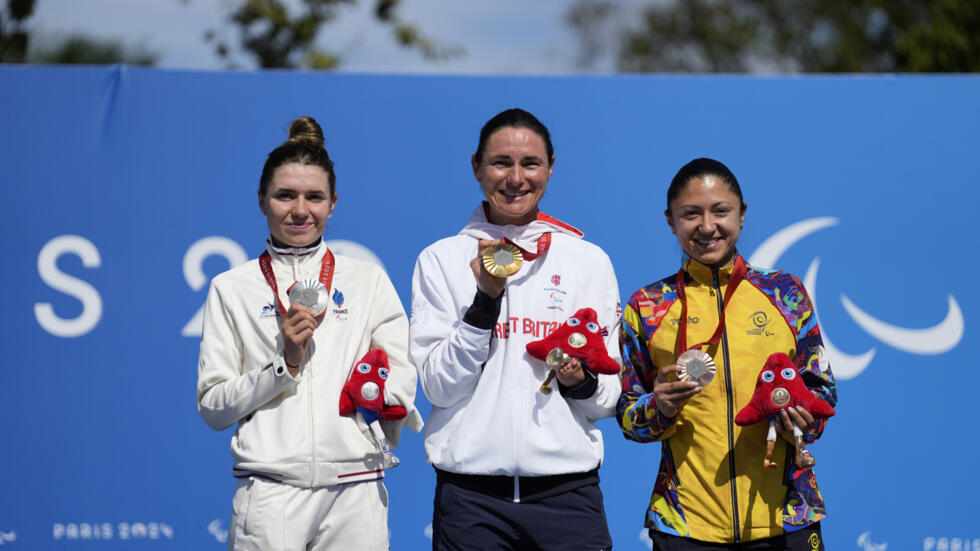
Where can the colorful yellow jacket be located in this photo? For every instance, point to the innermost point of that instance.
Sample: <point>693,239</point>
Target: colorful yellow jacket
<point>712,485</point>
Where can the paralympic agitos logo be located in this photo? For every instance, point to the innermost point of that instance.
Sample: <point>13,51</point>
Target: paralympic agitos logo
<point>937,339</point>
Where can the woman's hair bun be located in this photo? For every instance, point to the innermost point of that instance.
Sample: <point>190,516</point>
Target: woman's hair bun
<point>306,131</point>
<point>305,147</point>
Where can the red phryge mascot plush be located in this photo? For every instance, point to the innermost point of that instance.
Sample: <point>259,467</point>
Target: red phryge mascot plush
<point>579,337</point>
<point>780,387</point>
<point>364,390</point>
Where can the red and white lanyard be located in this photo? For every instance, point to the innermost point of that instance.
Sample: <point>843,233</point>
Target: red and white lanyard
<point>544,243</point>
<point>326,274</point>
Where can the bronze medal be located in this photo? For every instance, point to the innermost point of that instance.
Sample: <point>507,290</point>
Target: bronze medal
<point>696,365</point>
<point>780,396</point>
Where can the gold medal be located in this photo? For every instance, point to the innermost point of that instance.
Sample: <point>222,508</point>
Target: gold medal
<point>557,358</point>
<point>577,340</point>
<point>696,365</point>
<point>502,259</point>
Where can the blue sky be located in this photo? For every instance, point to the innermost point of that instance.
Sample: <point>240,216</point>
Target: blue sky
<point>502,36</point>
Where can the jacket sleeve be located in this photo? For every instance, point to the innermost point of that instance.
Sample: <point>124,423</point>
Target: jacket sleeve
<point>602,403</point>
<point>448,352</point>
<point>810,362</point>
<point>636,411</point>
<point>226,394</point>
<point>389,332</point>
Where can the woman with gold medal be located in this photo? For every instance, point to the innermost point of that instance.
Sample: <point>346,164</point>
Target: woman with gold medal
<point>516,465</point>
<point>281,335</point>
<point>693,346</point>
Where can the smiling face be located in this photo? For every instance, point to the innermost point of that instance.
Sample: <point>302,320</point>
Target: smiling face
<point>297,204</point>
<point>707,216</point>
<point>513,173</point>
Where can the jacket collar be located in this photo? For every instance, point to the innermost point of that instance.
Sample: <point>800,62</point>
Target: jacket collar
<point>299,254</point>
<point>524,236</point>
<point>704,274</point>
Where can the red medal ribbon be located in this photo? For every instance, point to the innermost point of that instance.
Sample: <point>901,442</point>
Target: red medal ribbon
<point>544,243</point>
<point>738,273</point>
<point>326,274</point>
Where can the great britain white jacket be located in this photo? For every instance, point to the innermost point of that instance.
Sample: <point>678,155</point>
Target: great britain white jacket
<point>291,429</point>
<point>488,416</point>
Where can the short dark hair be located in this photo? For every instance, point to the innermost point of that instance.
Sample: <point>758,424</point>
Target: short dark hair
<point>305,147</point>
<point>699,168</point>
<point>514,118</point>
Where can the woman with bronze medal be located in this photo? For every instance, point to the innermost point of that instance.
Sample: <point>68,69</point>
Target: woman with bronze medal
<point>693,345</point>
<point>516,463</point>
<point>281,335</point>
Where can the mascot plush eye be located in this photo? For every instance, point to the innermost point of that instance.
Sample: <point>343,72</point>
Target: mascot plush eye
<point>788,373</point>
<point>592,326</point>
<point>364,367</point>
<point>767,376</point>
<point>383,373</point>
<point>573,322</point>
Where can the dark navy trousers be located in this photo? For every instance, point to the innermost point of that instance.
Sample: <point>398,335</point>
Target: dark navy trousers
<point>466,519</point>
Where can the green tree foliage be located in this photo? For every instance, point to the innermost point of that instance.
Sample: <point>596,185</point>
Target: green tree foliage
<point>80,49</point>
<point>18,46</point>
<point>786,35</point>
<point>280,37</point>
<point>13,35</point>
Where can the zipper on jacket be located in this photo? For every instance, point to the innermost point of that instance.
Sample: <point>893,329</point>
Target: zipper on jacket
<point>729,393</point>
<point>308,373</point>
<point>309,396</point>
<point>518,432</point>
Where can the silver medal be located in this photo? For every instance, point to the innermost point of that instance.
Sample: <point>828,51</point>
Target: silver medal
<point>310,293</point>
<point>370,390</point>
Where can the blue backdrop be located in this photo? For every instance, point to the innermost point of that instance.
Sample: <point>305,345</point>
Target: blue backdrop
<point>128,189</point>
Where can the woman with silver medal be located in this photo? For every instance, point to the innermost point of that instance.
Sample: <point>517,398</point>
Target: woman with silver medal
<point>693,345</point>
<point>275,359</point>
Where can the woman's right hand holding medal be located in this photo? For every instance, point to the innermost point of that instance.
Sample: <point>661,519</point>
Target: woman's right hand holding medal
<point>490,284</point>
<point>670,393</point>
<point>297,330</point>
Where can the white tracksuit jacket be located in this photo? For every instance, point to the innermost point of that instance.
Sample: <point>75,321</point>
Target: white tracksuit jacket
<point>290,429</point>
<point>488,416</point>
